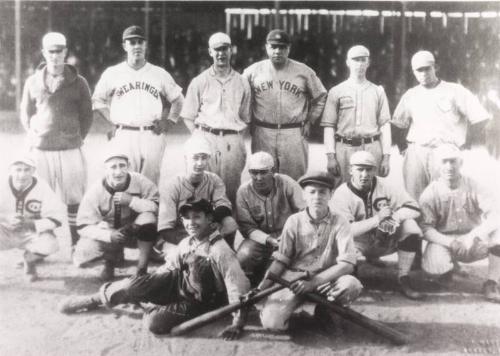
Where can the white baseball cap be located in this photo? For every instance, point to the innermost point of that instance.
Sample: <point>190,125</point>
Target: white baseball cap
<point>219,39</point>
<point>114,152</point>
<point>422,59</point>
<point>260,160</point>
<point>447,151</point>
<point>25,158</point>
<point>358,51</point>
<point>362,158</point>
<point>54,39</point>
<point>196,145</point>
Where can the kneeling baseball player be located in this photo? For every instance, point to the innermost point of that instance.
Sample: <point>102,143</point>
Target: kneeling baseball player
<point>460,222</point>
<point>201,275</point>
<point>116,212</point>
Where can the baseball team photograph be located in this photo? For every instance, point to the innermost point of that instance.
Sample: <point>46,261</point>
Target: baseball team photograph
<point>239,178</point>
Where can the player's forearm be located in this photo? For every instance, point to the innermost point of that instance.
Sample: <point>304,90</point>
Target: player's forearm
<point>258,236</point>
<point>434,236</point>
<point>43,225</point>
<point>403,214</point>
<point>101,114</point>
<point>490,224</point>
<point>385,138</point>
<point>175,109</point>
<point>277,268</point>
<point>362,227</point>
<point>332,273</point>
<point>329,139</point>
<point>95,232</point>
<point>143,205</point>
<point>317,107</point>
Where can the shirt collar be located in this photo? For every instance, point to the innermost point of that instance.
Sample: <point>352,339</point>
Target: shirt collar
<point>324,219</point>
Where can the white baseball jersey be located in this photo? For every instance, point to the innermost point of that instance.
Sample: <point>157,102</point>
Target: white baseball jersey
<point>37,202</point>
<point>179,190</point>
<point>97,212</point>
<point>135,97</point>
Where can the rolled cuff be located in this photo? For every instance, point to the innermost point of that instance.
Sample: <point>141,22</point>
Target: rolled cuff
<point>258,236</point>
<point>278,256</point>
<point>42,225</point>
<point>348,258</point>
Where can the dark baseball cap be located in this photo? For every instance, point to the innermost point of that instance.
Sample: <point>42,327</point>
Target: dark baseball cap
<point>278,37</point>
<point>201,205</point>
<point>133,32</point>
<point>317,177</point>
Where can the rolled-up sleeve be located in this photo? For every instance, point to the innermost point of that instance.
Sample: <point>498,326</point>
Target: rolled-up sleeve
<point>286,249</point>
<point>345,242</point>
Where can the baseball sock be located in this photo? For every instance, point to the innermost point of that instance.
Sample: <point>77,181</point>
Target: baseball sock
<point>72,211</point>
<point>405,260</point>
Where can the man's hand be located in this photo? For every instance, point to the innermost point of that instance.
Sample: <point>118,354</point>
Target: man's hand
<point>339,291</point>
<point>384,213</point>
<point>332,164</point>
<point>228,226</point>
<point>388,225</point>
<point>384,165</point>
<point>458,248</point>
<point>111,133</point>
<point>162,126</point>
<point>123,198</point>
<point>301,287</point>
<point>18,222</point>
<point>117,237</point>
<point>272,242</point>
<point>232,332</point>
<point>306,129</point>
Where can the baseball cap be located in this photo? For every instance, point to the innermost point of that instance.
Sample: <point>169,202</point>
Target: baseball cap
<point>133,32</point>
<point>196,145</point>
<point>317,177</point>
<point>446,151</point>
<point>25,158</point>
<point>260,160</point>
<point>114,153</point>
<point>362,158</point>
<point>218,40</point>
<point>278,37</point>
<point>358,51</point>
<point>422,59</point>
<point>202,205</point>
<point>53,39</point>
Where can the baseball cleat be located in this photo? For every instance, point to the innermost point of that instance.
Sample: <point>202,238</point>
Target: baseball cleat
<point>75,304</point>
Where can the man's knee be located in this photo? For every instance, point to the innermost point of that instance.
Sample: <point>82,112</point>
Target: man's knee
<point>436,260</point>
<point>412,243</point>
<point>147,233</point>
<point>250,253</point>
<point>44,243</point>
<point>352,287</point>
<point>273,319</point>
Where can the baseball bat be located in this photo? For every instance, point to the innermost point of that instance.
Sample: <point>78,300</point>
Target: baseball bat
<point>376,327</point>
<point>219,313</point>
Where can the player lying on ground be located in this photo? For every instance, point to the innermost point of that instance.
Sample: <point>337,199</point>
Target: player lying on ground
<point>461,223</point>
<point>116,212</point>
<point>29,213</point>
<point>201,275</point>
<point>382,217</point>
<point>313,239</point>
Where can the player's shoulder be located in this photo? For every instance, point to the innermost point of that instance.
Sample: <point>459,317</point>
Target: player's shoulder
<point>299,66</point>
<point>285,180</point>
<point>343,191</point>
<point>257,66</point>
<point>139,178</point>
<point>212,177</point>
<point>432,192</point>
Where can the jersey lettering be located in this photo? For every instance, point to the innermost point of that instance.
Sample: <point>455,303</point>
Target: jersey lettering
<point>124,89</point>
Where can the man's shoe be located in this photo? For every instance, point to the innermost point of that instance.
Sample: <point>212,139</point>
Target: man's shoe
<point>79,303</point>
<point>376,261</point>
<point>491,292</point>
<point>30,274</point>
<point>108,271</point>
<point>406,289</point>
<point>445,280</point>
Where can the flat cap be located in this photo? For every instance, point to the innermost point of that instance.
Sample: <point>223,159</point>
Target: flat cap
<point>278,37</point>
<point>362,158</point>
<point>133,32</point>
<point>195,145</point>
<point>422,59</point>
<point>202,205</point>
<point>317,177</point>
<point>25,158</point>
<point>218,40</point>
<point>260,160</point>
<point>358,51</point>
<point>53,39</point>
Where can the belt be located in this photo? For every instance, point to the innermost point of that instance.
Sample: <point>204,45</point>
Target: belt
<point>219,132</point>
<point>134,128</point>
<point>278,126</point>
<point>356,141</point>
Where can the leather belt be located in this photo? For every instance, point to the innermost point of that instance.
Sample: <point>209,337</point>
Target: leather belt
<point>134,128</point>
<point>356,141</point>
<point>219,132</point>
<point>277,126</point>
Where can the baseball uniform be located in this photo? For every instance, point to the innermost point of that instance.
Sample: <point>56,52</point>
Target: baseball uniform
<point>38,202</point>
<point>356,112</point>
<point>283,101</point>
<point>98,216</point>
<point>220,111</point>
<point>433,116</point>
<point>135,99</point>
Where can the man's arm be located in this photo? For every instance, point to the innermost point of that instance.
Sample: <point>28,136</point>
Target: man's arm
<point>85,109</point>
<point>318,96</point>
<point>175,108</point>
<point>332,164</point>
<point>248,227</point>
<point>386,141</point>
<point>27,107</point>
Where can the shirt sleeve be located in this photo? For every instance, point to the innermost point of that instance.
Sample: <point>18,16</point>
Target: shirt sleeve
<point>170,88</point>
<point>88,211</point>
<point>192,101</point>
<point>294,194</point>
<point>330,114</point>
<point>383,113</point>
<point>469,106</point>
<point>85,109</point>
<point>402,117</point>
<point>148,202</point>
<point>340,204</point>
<point>52,210</point>
<point>403,205</point>
<point>345,242</point>
<point>27,107</point>
<point>102,93</point>
<point>286,249</point>
<point>169,199</point>
<point>219,196</point>
<point>428,218</point>
<point>318,97</point>
<point>246,102</point>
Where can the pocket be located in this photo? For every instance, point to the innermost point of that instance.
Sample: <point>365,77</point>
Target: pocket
<point>445,104</point>
<point>346,102</point>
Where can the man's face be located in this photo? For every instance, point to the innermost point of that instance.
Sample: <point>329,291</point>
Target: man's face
<point>277,53</point>
<point>116,171</point>
<point>362,176</point>
<point>221,55</point>
<point>426,76</point>
<point>358,65</point>
<point>54,55</point>
<point>262,179</point>
<point>449,168</point>
<point>317,196</point>
<point>135,48</point>
<point>22,175</point>
<point>197,163</point>
<point>197,223</point>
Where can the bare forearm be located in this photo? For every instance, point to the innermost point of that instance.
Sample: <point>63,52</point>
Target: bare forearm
<point>277,268</point>
<point>385,138</point>
<point>329,139</point>
<point>362,227</point>
<point>434,236</point>
<point>175,109</point>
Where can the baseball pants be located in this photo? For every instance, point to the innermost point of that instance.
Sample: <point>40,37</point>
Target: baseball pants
<point>65,172</point>
<point>145,150</point>
<point>418,168</point>
<point>227,160</point>
<point>44,243</point>
<point>280,306</point>
<point>345,151</point>
<point>288,147</point>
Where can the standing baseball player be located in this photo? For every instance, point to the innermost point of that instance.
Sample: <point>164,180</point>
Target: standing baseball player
<point>313,239</point>
<point>356,118</point>
<point>217,107</point>
<point>56,111</point>
<point>116,212</point>
<point>288,98</point>
<point>29,213</point>
<point>460,221</point>
<point>195,184</point>
<point>382,217</point>
<point>263,205</point>
<point>435,112</point>
<point>142,101</point>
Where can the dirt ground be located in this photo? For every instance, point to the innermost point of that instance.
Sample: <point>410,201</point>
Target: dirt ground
<point>449,322</point>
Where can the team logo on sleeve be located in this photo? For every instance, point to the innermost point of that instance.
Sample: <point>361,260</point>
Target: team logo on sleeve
<point>34,207</point>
